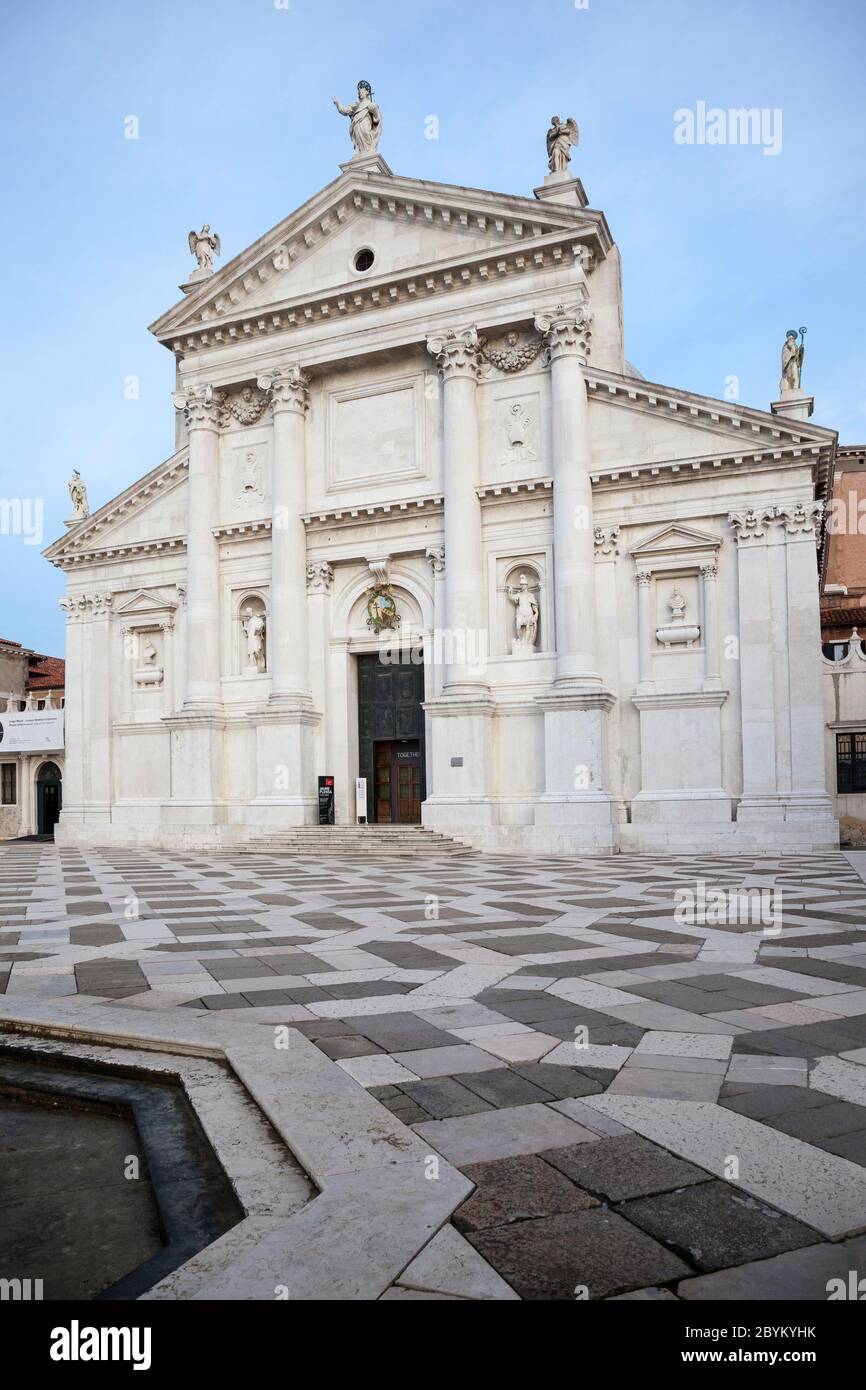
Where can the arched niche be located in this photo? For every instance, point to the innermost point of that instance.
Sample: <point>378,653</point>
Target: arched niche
<point>251,633</point>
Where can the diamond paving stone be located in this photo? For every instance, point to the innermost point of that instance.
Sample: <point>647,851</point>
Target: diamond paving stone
<point>715,1225</point>
<point>555,1256</point>
<point>558,1081</point>
<point>503,1087</point>
<point>517,1189</point>
<point>624,1167</point>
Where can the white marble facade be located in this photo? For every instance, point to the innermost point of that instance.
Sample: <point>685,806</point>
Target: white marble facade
<point>456,423</point>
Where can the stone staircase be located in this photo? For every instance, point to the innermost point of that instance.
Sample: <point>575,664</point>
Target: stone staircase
<point>361,840</point>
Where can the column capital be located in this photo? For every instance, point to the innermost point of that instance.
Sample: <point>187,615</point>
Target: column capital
<point>456,352</point>
<point>435,555</point>
<point>288,388</point>
<point>567,330</point>
<point>200,406</point>
<point>644,578</point>
<point>320,577</point>
<point>710,572</point>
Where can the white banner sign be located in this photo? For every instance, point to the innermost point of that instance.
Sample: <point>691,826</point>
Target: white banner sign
<point>361,798</point>
<point>31,731</point>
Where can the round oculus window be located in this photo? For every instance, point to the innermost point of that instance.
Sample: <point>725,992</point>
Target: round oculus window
<point>363,259</point>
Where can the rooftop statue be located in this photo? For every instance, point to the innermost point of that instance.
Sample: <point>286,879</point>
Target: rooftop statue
<point>204,245</point>
<point>365,125</point>
<point>560,138</point>
<point>792,361</point>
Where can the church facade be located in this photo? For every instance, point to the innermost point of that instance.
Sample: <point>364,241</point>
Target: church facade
<point>426,526</point>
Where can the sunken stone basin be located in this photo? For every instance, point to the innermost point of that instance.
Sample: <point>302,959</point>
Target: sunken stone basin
<point>107,1180</point>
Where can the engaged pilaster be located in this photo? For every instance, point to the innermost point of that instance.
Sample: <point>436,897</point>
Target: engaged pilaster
<point>288,639</point>
<point>465,640</point>
<point>202,684</point>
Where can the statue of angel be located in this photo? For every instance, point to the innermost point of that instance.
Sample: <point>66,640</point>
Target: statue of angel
<point>560,138</point>
<point>78,496</point>
<point>204,245</point>
<point>365,126</point>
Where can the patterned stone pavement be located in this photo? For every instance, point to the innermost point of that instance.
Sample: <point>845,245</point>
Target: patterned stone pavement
<point>651,1104</point>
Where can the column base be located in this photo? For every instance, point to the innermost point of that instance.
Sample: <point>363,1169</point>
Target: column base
<point>286,776</point>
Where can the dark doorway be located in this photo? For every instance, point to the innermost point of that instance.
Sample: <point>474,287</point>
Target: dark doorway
<point>49,798</point>
<point>391,737</point>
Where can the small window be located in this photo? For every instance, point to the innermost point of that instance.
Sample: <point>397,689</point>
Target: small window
<point>850,763</point>
<point>835,651</point>
<point>363,259</point>
<point>9,784</point>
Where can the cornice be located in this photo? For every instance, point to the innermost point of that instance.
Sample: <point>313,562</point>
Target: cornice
<point>227,321</point>
<point>350,516</point>
<point>502,492</point>
<point>662,471</point>
<point>82,542</point>
<point>504,217</point>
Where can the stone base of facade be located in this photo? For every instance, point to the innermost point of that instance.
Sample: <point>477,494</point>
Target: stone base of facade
<point>540,826</point>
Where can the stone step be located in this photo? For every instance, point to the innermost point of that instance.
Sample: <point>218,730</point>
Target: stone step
<point>327,839</point>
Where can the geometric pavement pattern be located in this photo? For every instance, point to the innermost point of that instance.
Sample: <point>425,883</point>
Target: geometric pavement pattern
<point>649,1107</point>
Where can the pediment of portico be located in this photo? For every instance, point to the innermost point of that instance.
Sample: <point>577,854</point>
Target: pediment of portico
<point>426,239</point>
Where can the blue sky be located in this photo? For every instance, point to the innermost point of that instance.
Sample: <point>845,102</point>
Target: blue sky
<point>724,247</point>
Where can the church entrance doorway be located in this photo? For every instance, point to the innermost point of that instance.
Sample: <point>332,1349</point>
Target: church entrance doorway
<point>391,737</point>
<point>48,798</point>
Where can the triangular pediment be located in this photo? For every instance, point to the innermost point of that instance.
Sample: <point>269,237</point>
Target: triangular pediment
<point>411,226</point>
<point>676,539</point>
<point>151,514</point>
<point>144,604</point>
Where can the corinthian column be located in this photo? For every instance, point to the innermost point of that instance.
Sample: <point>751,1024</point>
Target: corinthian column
<point>466,637</point>
<point>568,334</point>
<point>202,685</point>
<point>287,625</point>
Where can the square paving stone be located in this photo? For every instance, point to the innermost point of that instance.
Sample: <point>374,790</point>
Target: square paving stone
<point>519,1129</point>
<point>443,1097</point>
<point>716,1225</point>
<point>850,1146</point>
<point>403,1032</point>
<point>624,1166</point>
<point>337,1047</point>
<point>402,1106</point>
<point>517,1189</point>
<point>502,1087</point>
<point>553,1257</point>
<point>821,1121</point>
<point>565,1083</point>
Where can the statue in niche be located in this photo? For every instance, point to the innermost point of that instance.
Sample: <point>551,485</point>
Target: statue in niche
<point>525,617</point>
<point>677,604</point>
<point>150,652</point>
<point>679,632</point>
<point>253,624</point>
<point>560,138</point>
<point>204,245</point>
<point>78,496</point>
<point>793,353</point>
<point>365,126</point>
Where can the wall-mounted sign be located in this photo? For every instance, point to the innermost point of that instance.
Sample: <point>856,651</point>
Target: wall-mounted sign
<point>31,731</point>
<point>361,798</point>
<point>326,801</point>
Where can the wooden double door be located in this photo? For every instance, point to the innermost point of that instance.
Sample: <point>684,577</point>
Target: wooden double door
<point>391,737</point>
<point>397,778</point>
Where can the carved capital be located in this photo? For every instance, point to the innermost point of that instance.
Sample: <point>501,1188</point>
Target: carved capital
<point>804,521</point>
<point>567,330</point>
<point>606,541</point>
<point>644,578</point>
<point>435,555</point>
<point>200,405</point>
<point>288,388</point>
<point>709,572</point>
<point>457,353</point>
<point>320,577</point>
<point>751,523</point>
